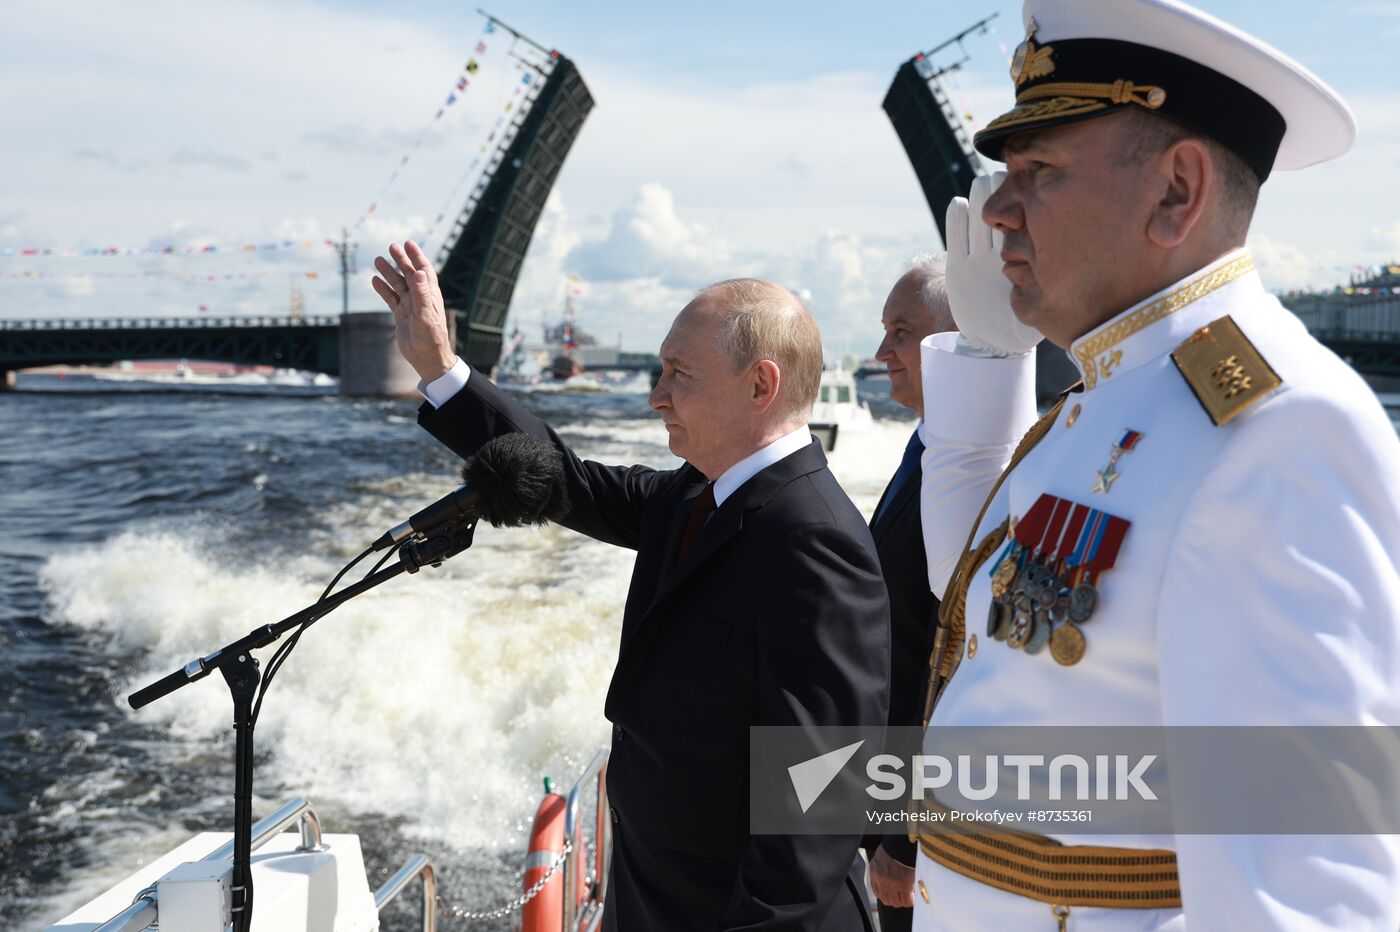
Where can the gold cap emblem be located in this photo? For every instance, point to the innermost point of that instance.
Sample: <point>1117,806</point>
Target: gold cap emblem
<point>1030,62</point>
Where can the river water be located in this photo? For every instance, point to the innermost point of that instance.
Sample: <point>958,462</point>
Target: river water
<point>144,527</point>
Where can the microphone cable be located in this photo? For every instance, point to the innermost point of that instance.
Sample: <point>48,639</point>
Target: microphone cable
<point>284,649</point>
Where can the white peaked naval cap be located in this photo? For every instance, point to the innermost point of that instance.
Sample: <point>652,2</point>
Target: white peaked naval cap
<point>1088,58</point>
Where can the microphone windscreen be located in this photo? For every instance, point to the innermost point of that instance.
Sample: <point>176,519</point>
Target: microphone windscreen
<point>519,480</point>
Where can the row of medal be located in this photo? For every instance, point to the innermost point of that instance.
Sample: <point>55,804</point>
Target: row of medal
<point>1043,580</point>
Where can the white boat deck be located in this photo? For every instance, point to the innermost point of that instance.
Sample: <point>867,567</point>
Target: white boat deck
<point>293,891</point>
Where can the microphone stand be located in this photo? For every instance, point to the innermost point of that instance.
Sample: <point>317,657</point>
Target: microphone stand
<point>240,670</point>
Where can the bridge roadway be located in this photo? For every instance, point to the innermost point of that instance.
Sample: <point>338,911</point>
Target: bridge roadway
<point>1369,340</point>
<point>311,343</point>
<point>1363,329</point>
<point>308,343</point>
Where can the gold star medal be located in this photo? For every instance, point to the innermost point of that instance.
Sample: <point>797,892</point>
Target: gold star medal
<point>1106,476</point>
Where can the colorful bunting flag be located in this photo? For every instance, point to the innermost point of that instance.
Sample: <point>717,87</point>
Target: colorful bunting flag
<point>146,274</point>
<point>462,82</point>
<point>161,272</point>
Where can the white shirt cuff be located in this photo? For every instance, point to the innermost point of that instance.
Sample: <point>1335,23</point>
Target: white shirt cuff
<point>440,391</point>
<point>970,399</point>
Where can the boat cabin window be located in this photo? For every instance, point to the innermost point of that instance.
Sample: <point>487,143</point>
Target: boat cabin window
<point>843,394</point>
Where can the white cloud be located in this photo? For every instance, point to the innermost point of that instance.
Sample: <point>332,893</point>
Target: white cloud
<point>647,239</point>
<point>315,72</point>
<point>109,158</point>
<point>639,269</point>
<point>543,280</point>
<point>800,180</point>
<point>1384,240</point>
<point>208,158</point>
<point>362,140</point>
<point>71,288</point>
<point>9,225</point>
<point>386,229</point>
<point>849,277</point>
<point>639,309</point>
<point>768,165</point>
<point>1338,213</point>
<point>1284,266</point>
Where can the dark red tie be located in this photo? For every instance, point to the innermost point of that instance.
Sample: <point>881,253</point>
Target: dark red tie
<point>699,511</point>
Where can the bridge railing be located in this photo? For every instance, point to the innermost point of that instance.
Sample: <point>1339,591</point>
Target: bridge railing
<point>1366,318</point>
<point>1354,335</point>
<point>166,323</point>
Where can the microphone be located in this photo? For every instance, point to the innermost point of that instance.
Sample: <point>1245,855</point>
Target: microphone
<point>514,480</point>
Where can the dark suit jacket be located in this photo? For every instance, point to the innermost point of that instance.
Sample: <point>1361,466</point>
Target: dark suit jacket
<point>776,616</point>
<point>899,539</point>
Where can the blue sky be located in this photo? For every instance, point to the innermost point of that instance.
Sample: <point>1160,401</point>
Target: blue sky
<point>728,139</point>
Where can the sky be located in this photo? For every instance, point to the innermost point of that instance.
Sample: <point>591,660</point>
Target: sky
<point>727,139</point>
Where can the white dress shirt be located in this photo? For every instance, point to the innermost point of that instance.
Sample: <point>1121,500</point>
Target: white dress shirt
<point>732,478</point>
<point>440,390</point>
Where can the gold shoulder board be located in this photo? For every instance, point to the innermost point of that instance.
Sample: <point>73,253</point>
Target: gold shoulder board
<point>1224,369</point>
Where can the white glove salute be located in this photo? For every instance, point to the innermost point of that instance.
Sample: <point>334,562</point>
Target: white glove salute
<point>979,294</point>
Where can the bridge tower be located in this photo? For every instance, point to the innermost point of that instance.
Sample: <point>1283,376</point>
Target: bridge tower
<point>480,261</point>
<point>945,162</point>
<point>930,128</point>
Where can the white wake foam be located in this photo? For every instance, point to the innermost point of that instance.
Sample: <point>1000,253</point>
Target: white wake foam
<point>441,698</point>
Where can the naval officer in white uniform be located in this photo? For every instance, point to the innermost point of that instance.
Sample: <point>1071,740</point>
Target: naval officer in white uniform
<point>1206,531</point>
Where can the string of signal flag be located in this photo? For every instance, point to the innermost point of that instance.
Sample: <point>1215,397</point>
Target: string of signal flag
<point>461,83</point>
<point>185,277</point>
<point>169,249</point>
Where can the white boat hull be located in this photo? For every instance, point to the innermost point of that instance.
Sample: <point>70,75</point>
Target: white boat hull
<point>294,891</point>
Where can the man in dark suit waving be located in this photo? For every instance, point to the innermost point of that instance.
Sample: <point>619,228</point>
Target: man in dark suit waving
<point>756,599</point>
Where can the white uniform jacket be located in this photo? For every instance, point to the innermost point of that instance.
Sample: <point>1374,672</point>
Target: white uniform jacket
<point>1257,585</point>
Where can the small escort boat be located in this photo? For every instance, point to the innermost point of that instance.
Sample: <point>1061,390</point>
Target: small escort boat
<point>838,409</point>
<point>307,881</point>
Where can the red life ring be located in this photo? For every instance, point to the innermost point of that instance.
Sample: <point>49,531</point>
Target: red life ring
<point>545,913</point>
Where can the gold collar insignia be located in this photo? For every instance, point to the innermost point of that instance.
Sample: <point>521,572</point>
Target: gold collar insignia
<point>1099,356</point>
